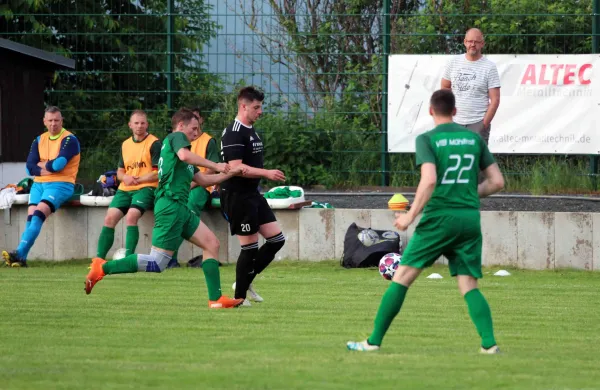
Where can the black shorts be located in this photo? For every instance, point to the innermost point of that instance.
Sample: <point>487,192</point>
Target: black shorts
<point>245,212</point>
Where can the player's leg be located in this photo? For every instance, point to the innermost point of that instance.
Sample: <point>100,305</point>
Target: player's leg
<point>132,231</point>
<point>258,211</point>
<point>423,249</point>
<point>242,215</point>
<point>47,198</point>
<point>200,235</point>
<point>169,220</point>
<point>35,196</point>
<point>271,231</point>
<point>118,207</point>
<point>465,263</point>
<point>274,241</point>
<point>141,200</point>
<point>245,268</point>
<point>196,203</point>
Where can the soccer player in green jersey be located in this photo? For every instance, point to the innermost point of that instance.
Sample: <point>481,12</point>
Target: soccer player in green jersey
<point>177,168</point>
<point>450,157</point>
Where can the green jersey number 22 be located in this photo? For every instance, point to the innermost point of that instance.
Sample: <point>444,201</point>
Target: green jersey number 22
<point>463,164</point>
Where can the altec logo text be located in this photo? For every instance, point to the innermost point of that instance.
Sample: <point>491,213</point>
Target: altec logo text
<point>557,74</point>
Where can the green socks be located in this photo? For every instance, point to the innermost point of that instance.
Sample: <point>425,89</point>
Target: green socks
<point>213,278</point>
<point>126,265</point>
<point>107,238</point>
<point>131,239</point>
<point>480,313</point>
<point>392,300</point>
<point>105,242</point>
<point>388,309</point>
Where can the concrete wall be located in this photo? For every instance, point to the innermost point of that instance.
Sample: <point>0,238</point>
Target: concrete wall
<point>531,240</point>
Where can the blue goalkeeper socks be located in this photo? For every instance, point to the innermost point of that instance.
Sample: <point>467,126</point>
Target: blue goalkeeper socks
<point>32,231</point>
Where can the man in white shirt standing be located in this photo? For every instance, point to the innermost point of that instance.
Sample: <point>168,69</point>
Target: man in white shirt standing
<point>475,82</point>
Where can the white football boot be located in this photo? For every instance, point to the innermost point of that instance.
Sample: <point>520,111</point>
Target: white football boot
<point>361,346</point>
<point>251,293</point>
<point>490,351</point>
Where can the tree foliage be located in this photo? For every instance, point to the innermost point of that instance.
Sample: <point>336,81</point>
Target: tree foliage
<point>120,50</point>
<point>510,27</point>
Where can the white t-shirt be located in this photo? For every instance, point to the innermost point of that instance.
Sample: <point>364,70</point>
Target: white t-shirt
<point>471,81</point>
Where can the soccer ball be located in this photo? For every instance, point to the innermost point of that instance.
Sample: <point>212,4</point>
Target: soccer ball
<point>390,235</point>
<point>368,237</point>
<point>119,254</point>
<point>388,265</point>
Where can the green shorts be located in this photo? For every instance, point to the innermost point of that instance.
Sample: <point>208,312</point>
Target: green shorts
<point>172,221</point>
<point>142,199</point>
<point>456,235</point>
<point>199,197</point>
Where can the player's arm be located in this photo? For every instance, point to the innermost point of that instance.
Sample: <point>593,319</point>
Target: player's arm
<point>494,94</point>
<point>425,158</point>
<point>69,148</point>
<point>121,173</point>
<point>424,190</point>
<point>187,156</point>
<point>33,165</point>
<point>181,147</point>
<point>494,180</point>
<point>209,180</point>
<point>446,77</point>
<point>122,176</point>
<point>257,173</point>
<point>151,177</point>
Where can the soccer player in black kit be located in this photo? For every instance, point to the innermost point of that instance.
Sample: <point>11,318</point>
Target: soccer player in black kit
<point>246,210</point>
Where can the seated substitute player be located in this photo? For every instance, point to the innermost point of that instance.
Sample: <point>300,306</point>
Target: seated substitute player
<point>450,157</point>
<point>137,172</point>
<point>54,162</point>
<point>204,146</point>
<point>172,218</point>
<point>246,210</point>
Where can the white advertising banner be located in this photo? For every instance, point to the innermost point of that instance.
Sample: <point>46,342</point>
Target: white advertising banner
<point>549,104</point>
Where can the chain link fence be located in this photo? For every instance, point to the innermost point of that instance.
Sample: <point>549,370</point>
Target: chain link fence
<point>321,63</point>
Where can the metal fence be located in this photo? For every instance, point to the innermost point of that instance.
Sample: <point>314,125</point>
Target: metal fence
<point>323,66</point>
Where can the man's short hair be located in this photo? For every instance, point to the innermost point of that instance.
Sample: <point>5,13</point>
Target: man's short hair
<point>138,112</point>
<point>198,110</point>
<point>443,102</point>
<point>251,94</point>
<point>183,115</point>
<point>52,110</point>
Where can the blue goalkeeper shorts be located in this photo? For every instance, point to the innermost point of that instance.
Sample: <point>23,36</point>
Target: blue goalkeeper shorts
<point>55,194</point>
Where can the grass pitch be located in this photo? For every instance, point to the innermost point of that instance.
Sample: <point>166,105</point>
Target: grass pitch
<point>155,331</point>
